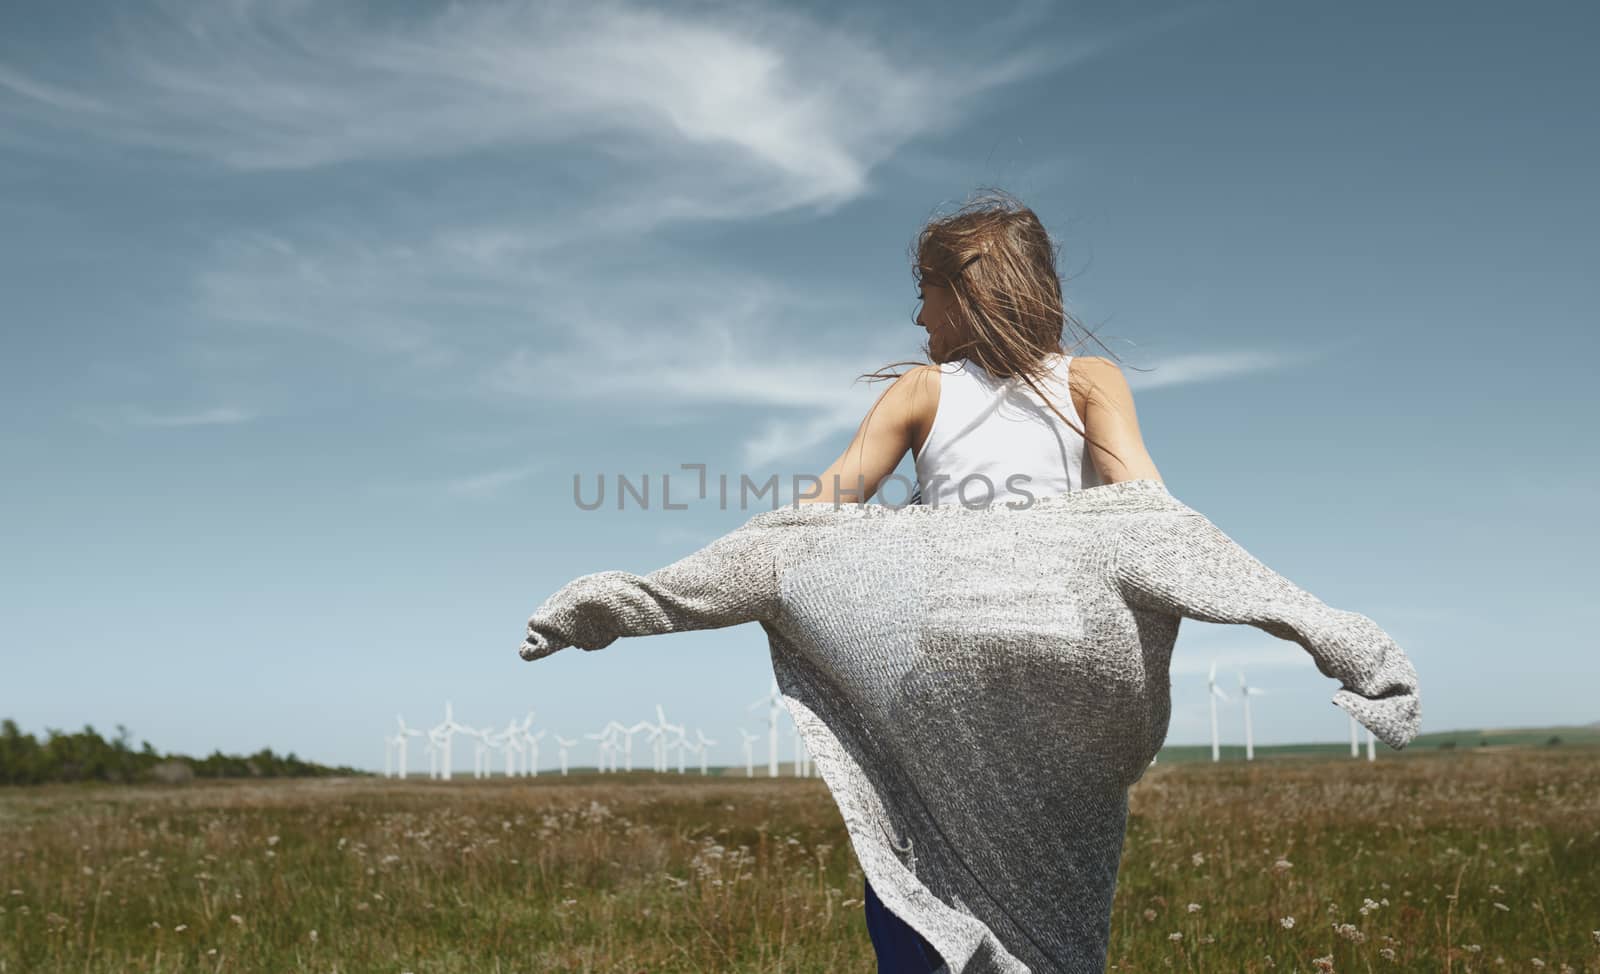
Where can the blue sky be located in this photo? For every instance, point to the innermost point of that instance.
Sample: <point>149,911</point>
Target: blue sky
<point>313,310</point>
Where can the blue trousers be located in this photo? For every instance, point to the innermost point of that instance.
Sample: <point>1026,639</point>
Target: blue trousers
<point>901,950</point>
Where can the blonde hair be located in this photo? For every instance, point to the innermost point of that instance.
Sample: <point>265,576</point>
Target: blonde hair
<point>999,264</point>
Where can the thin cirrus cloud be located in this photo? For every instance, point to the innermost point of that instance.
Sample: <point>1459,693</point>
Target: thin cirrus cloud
<point>48,96</point>
<point>740,111</point>
<point>218,416</point>
<point>731,113</point>
<point>681,116</point>
<point>491,483</point>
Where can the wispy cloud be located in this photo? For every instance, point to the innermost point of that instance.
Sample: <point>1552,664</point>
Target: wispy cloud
<point>725,112</point>
<point>638,117</point>
<point>219,416</point>
<point>389,297</point>
<point>490,483</point>
<point>47,95</point>
<point>1178,370</point>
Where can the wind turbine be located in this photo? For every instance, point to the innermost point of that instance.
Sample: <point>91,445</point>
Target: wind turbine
<point>684,746</point>
<point>627,749</point>
<point>519,732</point>
<point>563,743</point>
<point>511,747</point>
<point>480,750</point>
<point>531,751</point>
<point>439,742</point>
<point>1215,694</point>
<point>701,741</point>
<point>602,740</point>
<point>1245,693</point>
<point>749,759</point>
<point>661,742</point>
<point>615,733</point>
<point>694,747</point>
<point>773,700</point>
<point>433,749</point>
<point>1355,749</point>
<point>399,740</point>
<point>1372,752</point>
<point>446,732</point>
<point>653,735</point>
<point>530,745</point>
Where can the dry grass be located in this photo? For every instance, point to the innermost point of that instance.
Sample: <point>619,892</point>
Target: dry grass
<point>1439,862</point>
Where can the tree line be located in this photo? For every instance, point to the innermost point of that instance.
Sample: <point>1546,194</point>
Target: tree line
<point>86,756</point>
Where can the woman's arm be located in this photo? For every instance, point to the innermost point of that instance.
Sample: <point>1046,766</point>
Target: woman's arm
<point>1183,565</point>
<point>880,442</point>
<point>732,580</point>
<point>1111,422</point>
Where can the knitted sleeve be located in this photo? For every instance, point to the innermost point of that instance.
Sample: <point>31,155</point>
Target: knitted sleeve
<point>1184,565</point>
<point>731,580</point>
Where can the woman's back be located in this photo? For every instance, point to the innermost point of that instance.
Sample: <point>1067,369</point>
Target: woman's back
<point>986,431</point>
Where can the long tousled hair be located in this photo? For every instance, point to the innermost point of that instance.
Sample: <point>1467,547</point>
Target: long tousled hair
<point>999,264</point>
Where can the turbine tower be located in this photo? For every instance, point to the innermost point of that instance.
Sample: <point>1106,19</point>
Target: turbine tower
<point>627,746</point>
<point>615,732</point>
<point>563,743</point>
<point>684,745</point>
<point>653,734</point>
<point>399,740</point>
<point>530,745</point>
<point>445,733</point>
<point>661,741</point>
<point>433,749</point>
<point>531,750</point>
<point>749,752</point>
<point>518,731</point>
<point>1215,694</point>
<point>1355,748</point>
<point>701,742</point>
<point>602,741</point>
<point>511,747</point>
<point>773,700</point>
<point>480,750</point>
<point>1245,693</point>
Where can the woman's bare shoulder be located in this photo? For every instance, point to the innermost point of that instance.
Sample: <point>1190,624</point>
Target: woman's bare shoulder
<point>917,392</point>
<point>1098,378</point>
<point>1109,415</point>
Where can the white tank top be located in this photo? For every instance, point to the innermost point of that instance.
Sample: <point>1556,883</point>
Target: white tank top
<point>997,429</point>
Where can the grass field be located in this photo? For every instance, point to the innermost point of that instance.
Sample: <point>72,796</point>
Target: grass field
<point>1476,858</point>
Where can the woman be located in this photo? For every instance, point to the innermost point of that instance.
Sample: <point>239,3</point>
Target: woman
<point>991,408</point>
<point>981,684</point>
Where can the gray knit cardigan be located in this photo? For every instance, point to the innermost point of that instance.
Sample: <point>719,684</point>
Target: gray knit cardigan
<point>980,686</point>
